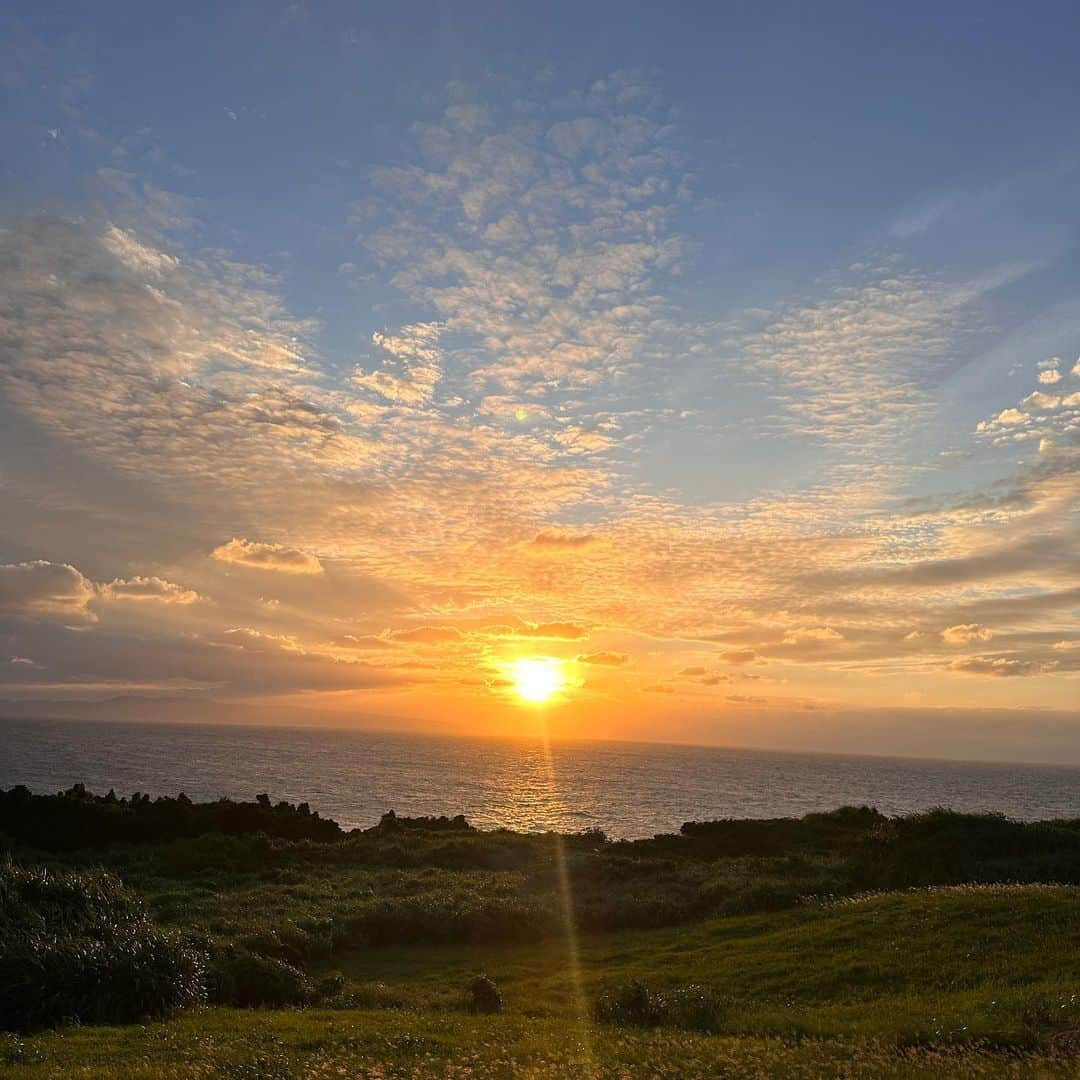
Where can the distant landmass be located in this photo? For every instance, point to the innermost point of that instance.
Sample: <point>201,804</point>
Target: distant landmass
<point>187,710</point>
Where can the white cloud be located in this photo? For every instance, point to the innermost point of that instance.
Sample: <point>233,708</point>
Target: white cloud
<point>140,257</point>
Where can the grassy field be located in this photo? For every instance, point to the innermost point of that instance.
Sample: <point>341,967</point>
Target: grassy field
<point>967,981</point>
<point>844,944</point>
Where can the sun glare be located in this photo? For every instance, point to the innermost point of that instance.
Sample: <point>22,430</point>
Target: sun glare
<point>538,679</point>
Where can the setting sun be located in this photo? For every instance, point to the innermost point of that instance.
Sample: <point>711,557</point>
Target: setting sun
<point>538,679</point>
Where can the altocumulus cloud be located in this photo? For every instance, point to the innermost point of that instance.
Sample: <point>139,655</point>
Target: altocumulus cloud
<point>279,557</point>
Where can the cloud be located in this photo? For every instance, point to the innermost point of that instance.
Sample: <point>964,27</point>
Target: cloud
<point>45,590</point>
<point>410,368</point>
<point>567,631</point>
<point>540,236</point>
<point>852,367</point>
<point>1006,418</point>
<point>1040,401</point>
<point>559,540</point>
<point>503,455</point>
<point>1002,667</point>
<point>659,688</point>
<point>260,556</point>
<point>812,634</point>
<point>143,589</point>
<point>745,656</point>
<point>965,633</point>
<point>140,257</point>
<point>427,635</point>
<point>604,659</point>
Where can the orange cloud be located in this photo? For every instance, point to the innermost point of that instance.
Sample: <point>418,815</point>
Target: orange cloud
<point>742,656</point>
<point>604,659</point>
<point>566,631</point>
<point>148,589</point>
<point>965,633</point>
<point>426,635</point>
<point>551,540</point>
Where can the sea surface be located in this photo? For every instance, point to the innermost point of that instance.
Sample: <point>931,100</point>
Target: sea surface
<point>626,789</point>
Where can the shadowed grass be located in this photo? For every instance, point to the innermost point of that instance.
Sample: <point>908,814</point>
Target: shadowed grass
<point>322,1044</point>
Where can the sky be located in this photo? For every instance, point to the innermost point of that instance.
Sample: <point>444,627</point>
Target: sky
<point>718,363</point>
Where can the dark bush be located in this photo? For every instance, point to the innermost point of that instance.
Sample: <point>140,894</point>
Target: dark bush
<point>243,978</point>
<point>696,1008</point>
<point>484,996</point>
<point>131,975</point>
<point>942,847</point>
<point>635,1004</point>
<point>76,818</point>
<point>77,947</point>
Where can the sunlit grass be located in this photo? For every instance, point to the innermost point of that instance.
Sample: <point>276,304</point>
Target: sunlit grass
<point>966,982</point>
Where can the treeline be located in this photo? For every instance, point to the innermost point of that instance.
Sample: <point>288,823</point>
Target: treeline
<point>76,818</point>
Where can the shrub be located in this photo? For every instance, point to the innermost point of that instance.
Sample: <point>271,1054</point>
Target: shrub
<point>635,1004</point>
<point>77,947</point>
<point>243,978</point>
<point>484,995</point>
<point>133,975</point>
<point>696,1008</point>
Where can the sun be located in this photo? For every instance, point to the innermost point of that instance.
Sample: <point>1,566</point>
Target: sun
<point>538,679</point>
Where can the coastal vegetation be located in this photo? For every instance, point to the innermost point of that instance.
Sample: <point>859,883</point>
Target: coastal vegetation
<point>261,940</point>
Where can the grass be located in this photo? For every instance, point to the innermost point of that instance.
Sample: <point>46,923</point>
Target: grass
<point>929,966</point>
<point>733,948</point>
<point>323,1044</point>
<point>967,981</point>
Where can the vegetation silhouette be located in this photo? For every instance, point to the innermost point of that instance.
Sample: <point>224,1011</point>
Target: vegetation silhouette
<point>115,909</point>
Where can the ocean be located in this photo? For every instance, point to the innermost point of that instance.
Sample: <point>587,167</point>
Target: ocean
<point>627,789</point>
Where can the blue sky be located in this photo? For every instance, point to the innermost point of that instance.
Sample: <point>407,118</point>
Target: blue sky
<point>645,321</point>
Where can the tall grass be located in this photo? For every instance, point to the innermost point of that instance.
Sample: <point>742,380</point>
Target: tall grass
<point>77,947</point>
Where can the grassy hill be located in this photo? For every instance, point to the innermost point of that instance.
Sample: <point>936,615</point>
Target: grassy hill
<point>966,981</point>
<point>734,949</point>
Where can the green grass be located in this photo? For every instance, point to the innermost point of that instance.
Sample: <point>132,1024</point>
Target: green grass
<point>323,1044</point>
<point>927,966</point>
<point>754,932</point>
<point>965,981</point>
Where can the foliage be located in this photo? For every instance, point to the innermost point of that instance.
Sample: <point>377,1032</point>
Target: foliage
<point>78,947</point>
<point>484,996</point>
<point>693,1007</point>
<point>269,898</point>
<point>240,977</point>
<point>78,819</point>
